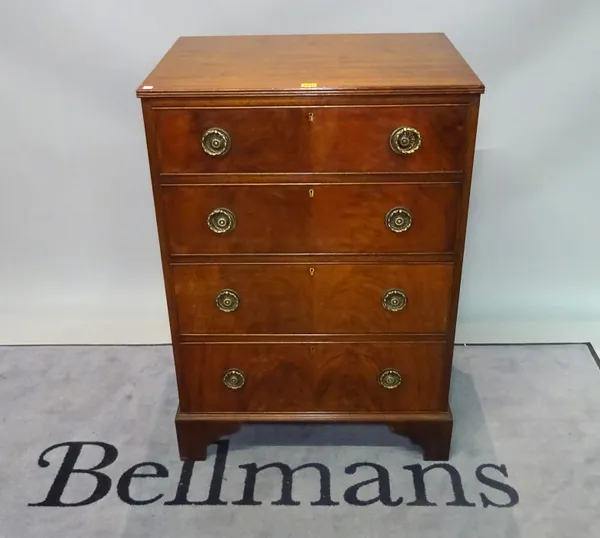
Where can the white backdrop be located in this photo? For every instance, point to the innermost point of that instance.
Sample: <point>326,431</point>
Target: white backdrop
<point>79,253</point>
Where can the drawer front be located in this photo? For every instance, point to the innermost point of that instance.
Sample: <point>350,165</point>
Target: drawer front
<point>318,298</point>
<point>383,218</point>
<point>312,377</point>
<point>319,139</point>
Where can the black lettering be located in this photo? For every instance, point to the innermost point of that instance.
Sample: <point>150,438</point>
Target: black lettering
<point>287,473</point>
<point>67,468</point>
<point>216,482</point>
<point>419,483</point>
<point>160,471</point>
<point>513,496</point>
<point>383,481</point>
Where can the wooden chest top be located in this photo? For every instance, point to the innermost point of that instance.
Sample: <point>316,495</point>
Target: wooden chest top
<point>299,64</point>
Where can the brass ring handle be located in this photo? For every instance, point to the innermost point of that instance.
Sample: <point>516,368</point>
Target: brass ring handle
<point>390,378</point>
<point>405,140</point>
<point>221,220</point>
<point>234,379</point>
<point>227,300</point>
<point>216,141</point>
<point>394,300</point>
<point>398,219</point>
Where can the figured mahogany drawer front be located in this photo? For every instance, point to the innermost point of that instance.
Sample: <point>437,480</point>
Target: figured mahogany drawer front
<point>319,298</point>
<point>427,138</point>
<point>382,218</point>
<point>312,377</point>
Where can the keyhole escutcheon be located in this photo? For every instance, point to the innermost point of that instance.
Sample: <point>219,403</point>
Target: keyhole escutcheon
<point>311,193</point>
<point>311,271</point>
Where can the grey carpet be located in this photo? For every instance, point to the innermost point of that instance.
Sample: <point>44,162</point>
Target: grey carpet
<point>528,412</point>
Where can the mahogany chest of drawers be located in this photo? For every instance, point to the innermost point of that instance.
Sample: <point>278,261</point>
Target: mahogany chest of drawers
<point>311,194</point>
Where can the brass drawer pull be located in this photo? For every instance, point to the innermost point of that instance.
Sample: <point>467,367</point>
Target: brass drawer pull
<point>390,378</point>
<point>405,140</point>
<point>227,300</point>
<point>221,220</point>
<point>216,141</point>
<point>234,379</point>
<point>398,219</point>
<point>394,300</point>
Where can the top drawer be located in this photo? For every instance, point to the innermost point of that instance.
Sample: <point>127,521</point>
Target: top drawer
<point>317,139</point>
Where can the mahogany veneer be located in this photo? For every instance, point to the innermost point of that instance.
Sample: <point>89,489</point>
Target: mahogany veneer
<point>311,194</point>
<point>314,377</point>
<point>333,139</point>
<point>283,218</point>
<point>286,298</point>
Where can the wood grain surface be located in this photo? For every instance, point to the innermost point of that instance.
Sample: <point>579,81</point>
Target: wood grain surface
<point>409,63</point>
<point>311,139</point>
<point>335,299</point>
<point>349,218</point>
<point>318,377</point>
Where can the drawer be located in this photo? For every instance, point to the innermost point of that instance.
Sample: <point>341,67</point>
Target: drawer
<point>353,218</point>
<point>262,298</point>
<point>318,139</point>
<point>366,377</point>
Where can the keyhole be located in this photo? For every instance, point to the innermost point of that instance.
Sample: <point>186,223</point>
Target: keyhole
<point>311,116</point>
<point>311,271</point>
<point>311,193</point>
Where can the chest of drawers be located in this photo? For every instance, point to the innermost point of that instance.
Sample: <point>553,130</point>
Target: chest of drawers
<point>311,194</point>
